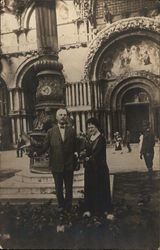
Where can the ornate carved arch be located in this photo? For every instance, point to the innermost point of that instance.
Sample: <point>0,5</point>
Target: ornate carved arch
<point>149,82</point>
<point>115,31</point>
<point>27,14</point>
<point>133,86</point>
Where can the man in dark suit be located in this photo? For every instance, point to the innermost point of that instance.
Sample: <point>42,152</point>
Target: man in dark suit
<point>147,150</point>
<point>61,141</point>
<point>127,140</point>
<point>20,143</point>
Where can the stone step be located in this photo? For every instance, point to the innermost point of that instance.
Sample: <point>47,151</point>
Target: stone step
<point>34,198</point>
<point>15,190</point>
<point>21,198</point>
<point>28,177</point>
<point>30,188</point>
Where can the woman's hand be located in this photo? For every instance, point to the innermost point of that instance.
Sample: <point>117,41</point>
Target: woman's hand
<point>87,158</point>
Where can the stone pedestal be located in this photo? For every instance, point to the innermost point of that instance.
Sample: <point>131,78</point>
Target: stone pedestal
<point>36,188</point>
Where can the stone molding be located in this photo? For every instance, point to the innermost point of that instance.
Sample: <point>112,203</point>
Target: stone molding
<point>47,64</point>
<point>129,77</point>
<point>114,30</point>
<point>140,74</point>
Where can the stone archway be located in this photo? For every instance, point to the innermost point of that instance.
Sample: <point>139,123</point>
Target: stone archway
<point>136,97</point>
<point>29,86</point>
<point>22,98</point>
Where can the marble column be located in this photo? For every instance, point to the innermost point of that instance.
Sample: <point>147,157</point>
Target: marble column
<point>109,127</point>
<point>73,94</point>
<point>115,121</point>
<point>13,131</point>
<point>81,94</point>
<point>119,121</point>
<point>123,122</point>
<point>85,93</point>
<point>23,104</point>
<point>98,96</point>
<point>104,124</point>
<point>89,93</point>
<point>24,125</point>
<point>16,100</point>
<point>11,100</point>
<point>50,91</point>
<point>69,96</point>
<point>18,127</point>
<point>83,122</point>
<point>77,123</point>
<point>95,94</point>
<point>77,94</point>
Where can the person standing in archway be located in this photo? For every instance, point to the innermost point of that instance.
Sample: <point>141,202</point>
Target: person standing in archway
<point>20,143</point>
<point>147,150</point>
<point>127,141</point>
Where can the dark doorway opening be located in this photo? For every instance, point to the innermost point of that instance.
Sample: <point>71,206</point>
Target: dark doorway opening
<point>136,115</point>
<point>29,85</point>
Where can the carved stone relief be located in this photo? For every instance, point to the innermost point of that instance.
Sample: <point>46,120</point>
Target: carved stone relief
<point>14,6</point>
<point>86,10</point>
<point>116,29</point>
<point>129,56</point>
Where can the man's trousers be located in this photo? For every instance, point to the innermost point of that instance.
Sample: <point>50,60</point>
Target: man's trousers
<point>148,157</point>
<point>65,177</point>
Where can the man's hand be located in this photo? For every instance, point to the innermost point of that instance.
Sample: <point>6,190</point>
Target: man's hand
<point>141,156</point>
<point>35,154</point>
<point>76,154</point>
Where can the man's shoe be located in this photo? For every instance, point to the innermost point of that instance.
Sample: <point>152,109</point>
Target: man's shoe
<point>86,214</point>
<point>110,217</point>
<point>60,209</point>
<point>96,221</point>
<point>150,170</point>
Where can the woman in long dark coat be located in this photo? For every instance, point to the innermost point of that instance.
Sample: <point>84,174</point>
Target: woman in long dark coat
<point>97,196</point>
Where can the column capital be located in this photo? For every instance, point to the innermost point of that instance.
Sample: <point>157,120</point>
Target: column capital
<point>48,65</point>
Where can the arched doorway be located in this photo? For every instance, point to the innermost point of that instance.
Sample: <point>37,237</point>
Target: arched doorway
<point>29,85</point>
<point>136,111</point>
<point>5,126</point>
<point>133,102</point>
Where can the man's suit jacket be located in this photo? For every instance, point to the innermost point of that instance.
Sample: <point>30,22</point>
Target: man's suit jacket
<point>148,143</point>
<point>61,153</point>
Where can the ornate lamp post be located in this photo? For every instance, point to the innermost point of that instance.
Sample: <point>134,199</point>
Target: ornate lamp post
<point>50,91</point>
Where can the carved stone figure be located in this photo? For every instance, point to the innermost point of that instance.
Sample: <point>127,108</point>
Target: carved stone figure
<point>146,58</point>
<point>125,58</point>
<point>107,14</point>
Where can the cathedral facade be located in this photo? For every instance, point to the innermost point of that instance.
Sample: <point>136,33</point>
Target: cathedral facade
<point>105,55</point>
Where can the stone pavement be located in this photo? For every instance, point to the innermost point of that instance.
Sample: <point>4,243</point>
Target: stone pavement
<point>119,161</point>
<point>17,184</point>
<point>122,161</point>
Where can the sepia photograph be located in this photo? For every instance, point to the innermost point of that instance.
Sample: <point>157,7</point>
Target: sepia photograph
<point>80,124</point>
